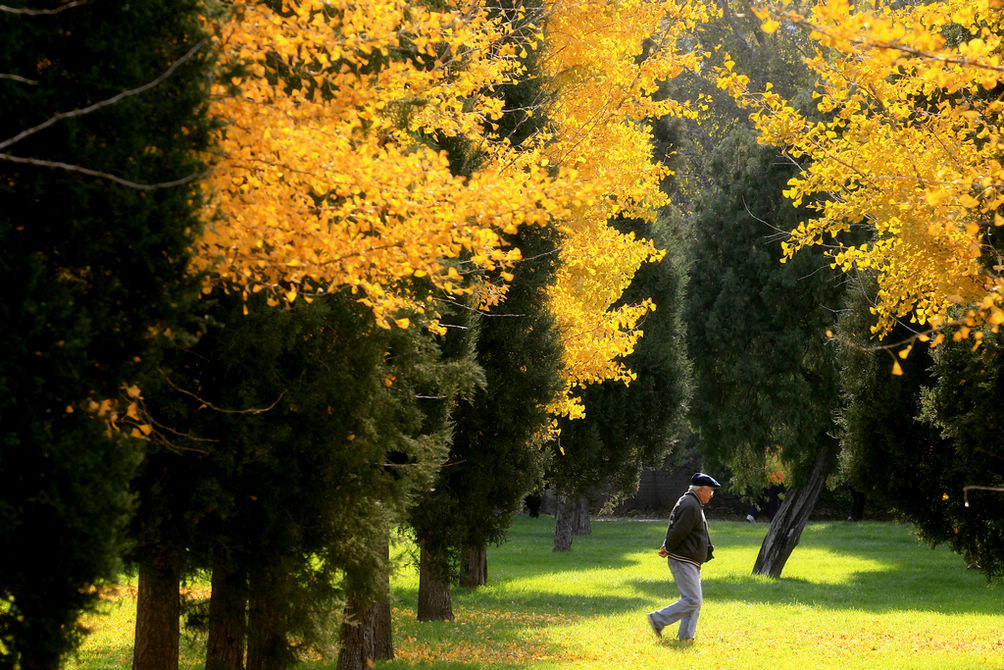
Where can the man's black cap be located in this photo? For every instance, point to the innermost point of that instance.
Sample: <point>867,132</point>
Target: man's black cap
<point>701,479</point>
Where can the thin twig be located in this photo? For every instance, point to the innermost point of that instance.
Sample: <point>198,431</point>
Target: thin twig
<point>41,12</point>
<point>69,167</point>
<point>218,409</point>
<point>15,77</point>
<point>103,103</point>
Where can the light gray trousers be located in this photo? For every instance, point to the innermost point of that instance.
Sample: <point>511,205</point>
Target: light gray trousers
<point>685,610</point>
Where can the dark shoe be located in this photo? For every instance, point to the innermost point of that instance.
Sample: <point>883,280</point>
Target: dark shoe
<point>655,627</point>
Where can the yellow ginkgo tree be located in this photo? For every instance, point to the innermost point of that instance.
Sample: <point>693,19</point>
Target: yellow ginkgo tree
<point>605,62</point>
<point>327,179</point>
<point>330,176</point>
<point>906,146</point>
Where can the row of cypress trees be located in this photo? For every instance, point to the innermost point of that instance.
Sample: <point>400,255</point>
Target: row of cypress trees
<point>286,444</point>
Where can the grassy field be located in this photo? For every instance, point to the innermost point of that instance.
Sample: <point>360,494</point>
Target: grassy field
<point>863,595</point>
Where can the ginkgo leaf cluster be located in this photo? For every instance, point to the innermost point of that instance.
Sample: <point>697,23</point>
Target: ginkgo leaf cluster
<point>604,62</point>
<point>327,178</point>
<point>908,149</point>
<point>330,177</point>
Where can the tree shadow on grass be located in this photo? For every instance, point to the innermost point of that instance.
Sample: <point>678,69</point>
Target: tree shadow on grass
<point>872,567</point>
<point>902,575</point>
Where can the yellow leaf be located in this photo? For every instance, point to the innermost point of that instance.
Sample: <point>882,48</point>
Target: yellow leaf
<point>896,369</point>
<point>936,196</point>
<point>291,295</point>
<point>770,26</point>
<point>403,323</point>
<point>133,391</point>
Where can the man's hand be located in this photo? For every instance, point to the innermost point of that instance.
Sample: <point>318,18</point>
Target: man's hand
<point>662,552</point>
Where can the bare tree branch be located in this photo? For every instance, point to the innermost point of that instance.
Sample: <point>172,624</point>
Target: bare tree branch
<point>57,165</point>
<point>103,103</point>
<point>15,77</point>
<point>252,410</point>
<point>41,12</point>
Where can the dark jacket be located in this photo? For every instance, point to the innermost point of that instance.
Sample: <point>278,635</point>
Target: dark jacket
<point>687,534</point>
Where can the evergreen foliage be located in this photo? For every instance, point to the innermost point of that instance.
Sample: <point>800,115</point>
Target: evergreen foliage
<point>495,459</point>
<point>298,437</point>
<point>496,456</point>
<point>95,246</point>
<point>915,441</point>
<point>765,375</point>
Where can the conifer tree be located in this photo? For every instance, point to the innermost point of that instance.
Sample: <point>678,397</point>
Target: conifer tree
<point>765,376</point>
<point>496,459</point>
<point>300,436</point>
<point>938,421</point>
<point>103,125</point>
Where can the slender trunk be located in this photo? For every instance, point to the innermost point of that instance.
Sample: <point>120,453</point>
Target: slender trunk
<point>358,650</point>
<point>267,620</point>
<point>434,600</point>
<point>581,525</point>
<point>474,566</point>
<point>366,628</point>
<point>564,516</point>
<point>158,608</point>
<point>383,641</point>
<point>227,618</point>
<point>787,525</point>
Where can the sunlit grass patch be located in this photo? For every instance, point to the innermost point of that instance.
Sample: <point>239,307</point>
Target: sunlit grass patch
<point>478,637</point>
<point>852,597</point>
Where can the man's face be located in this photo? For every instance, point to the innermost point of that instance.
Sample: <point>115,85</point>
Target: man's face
<point>704,494</point>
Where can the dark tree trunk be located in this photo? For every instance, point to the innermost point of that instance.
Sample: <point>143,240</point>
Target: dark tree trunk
<point>564,518</point>
<point>786,527</point>
<point>383,641</point>
<point>474,566</point>
<point>227,618</point>
<point>158,608</point>
<point>434,600</point>
<point>581,525</point>
<point>366,630</point>
<point>358,648</point>
<point>267,620</point>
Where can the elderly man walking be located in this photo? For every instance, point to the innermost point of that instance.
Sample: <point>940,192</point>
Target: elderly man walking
<point>686,548</point>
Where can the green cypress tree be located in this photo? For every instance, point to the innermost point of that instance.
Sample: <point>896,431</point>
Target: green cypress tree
<point>766,378</point>
<point>103,117</point>
<point>628,427</point>
<point>306,432</point>
<point>916,440</point>
<point>495,459</point>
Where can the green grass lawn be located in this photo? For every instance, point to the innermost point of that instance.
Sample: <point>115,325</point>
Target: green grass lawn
<point>863,595</point>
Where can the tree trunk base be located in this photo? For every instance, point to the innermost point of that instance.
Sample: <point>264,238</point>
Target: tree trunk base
<point>786,527</point>
<point>581,524</point>
<point>474,568</point>
<point>158,609</point>
<point>434,600</point>
<point>564,518</point>
<point>227,619</point>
